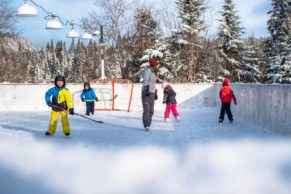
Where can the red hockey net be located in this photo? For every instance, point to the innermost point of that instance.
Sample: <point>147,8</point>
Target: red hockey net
<point>113,94</point>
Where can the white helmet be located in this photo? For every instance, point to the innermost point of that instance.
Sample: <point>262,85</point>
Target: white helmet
<point>164,85</point>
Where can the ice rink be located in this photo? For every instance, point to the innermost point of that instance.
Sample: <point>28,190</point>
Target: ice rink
<point>195,155</point>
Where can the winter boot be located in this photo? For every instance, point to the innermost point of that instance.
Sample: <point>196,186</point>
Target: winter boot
<point>220,120</point>
<point>167,120</point>
<point>231,121</point>
<point>178,118</point>
<point>147,128</point>
<point>67,134</point>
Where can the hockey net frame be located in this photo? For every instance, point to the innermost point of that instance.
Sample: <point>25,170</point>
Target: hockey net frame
<point>113,94</point>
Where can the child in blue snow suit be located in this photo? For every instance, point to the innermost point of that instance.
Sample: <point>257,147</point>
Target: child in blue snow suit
<point>88,95</point>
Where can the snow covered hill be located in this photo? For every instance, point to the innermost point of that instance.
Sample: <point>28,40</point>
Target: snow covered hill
<point>13,43</point>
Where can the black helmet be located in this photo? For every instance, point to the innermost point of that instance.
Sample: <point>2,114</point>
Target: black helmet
<point>87,84</point>
<point>60,78</point>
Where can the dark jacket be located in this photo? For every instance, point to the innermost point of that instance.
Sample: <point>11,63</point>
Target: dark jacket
<point>169,95</point>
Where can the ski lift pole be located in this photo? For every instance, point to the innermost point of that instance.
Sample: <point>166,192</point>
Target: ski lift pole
<point>101,42</point>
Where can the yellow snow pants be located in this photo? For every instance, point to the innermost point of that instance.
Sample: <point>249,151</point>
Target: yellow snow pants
<point>54,120</point>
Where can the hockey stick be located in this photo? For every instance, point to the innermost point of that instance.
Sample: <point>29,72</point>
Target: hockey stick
<point>88,118</point>
<point>102,99</point>
<point>115,96</point>
<point>60,108</point>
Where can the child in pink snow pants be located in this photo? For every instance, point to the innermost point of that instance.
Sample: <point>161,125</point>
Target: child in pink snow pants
<point>170,100</point>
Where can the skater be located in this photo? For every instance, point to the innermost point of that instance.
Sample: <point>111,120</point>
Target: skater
<point>149,93</point>
<point>59,96</point>
<point>226,97</point>
<point>88,95</point>
<point>170,100</point>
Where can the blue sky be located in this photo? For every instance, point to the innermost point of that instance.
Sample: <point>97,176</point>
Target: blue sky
<point>253,15</point>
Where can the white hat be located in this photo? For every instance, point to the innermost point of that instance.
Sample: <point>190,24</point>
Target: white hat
<point>164,85</point>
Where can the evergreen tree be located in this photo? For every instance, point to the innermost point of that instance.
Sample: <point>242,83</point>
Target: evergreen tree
<point>231,45</point>
<point>146,32</point>
<point>250,71</point>
<point>191,12</point>
<point>77,64</point>
<point>279,67</point>
<point>188,40</point>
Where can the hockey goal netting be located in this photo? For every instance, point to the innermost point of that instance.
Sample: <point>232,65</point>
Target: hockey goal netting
<point>113,95</point>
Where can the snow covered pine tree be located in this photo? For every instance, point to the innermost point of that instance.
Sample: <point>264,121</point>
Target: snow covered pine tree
<point>279,70</point>
<point>236,61</point>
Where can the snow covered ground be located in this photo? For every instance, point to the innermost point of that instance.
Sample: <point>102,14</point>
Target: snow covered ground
<point>196,155</point>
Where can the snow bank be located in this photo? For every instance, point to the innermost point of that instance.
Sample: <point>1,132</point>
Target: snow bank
<point>226,168</point>
<point>266,105</point>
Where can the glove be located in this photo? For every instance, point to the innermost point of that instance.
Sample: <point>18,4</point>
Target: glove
<point>156,95</point>
<point>83,100</point>
<point>96,99</point>
<point>49,104</point>
<point>164,102</point>
<point>71,111</point>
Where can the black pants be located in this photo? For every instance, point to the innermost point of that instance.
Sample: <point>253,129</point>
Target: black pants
<point>90,108</point>
<point>148,103</point>
<point>225,107</point>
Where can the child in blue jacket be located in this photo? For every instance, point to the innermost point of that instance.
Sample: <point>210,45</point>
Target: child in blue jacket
<point>88,95</point>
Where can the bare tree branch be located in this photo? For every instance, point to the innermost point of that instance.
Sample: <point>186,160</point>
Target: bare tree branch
<point>7,17</point>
